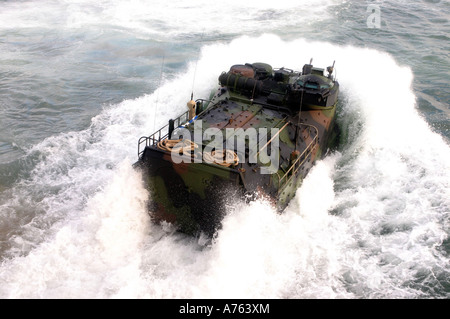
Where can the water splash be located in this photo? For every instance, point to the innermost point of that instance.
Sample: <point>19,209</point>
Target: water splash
<point>369,221</point>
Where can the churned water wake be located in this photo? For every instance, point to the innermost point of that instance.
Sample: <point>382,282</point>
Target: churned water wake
<point>371,220</point>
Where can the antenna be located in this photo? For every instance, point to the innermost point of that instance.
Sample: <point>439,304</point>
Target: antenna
<point>157,93</point>
<point>193,80</point>
<point>195,69</point>
<point>299,114</point>
<point>253,94</point>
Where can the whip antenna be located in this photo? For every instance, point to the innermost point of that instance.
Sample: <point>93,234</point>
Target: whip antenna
<point>196,63</point>
<point>299,114</point>
<point>157,93</point>
<point>193,80</point>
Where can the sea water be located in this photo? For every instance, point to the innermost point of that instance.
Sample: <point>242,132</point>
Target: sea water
<point>81,81</point>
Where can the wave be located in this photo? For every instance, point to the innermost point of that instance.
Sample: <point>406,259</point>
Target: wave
<point>162,18</point>
<point>370,220</point>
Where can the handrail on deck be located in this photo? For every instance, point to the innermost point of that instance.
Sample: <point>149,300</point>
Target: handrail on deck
<point>153,140</point>
<point>300,160</point>
<point>160,134</point>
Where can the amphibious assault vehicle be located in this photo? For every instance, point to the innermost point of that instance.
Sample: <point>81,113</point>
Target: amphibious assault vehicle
<point>258,134</point>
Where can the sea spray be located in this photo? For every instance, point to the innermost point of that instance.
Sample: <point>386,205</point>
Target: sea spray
<point>376,231</point>
<point>91,255</point>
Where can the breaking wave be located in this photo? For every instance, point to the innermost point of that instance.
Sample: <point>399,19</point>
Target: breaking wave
<point>370,220</point>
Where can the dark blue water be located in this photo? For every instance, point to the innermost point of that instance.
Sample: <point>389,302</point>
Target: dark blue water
<point>82,81</point>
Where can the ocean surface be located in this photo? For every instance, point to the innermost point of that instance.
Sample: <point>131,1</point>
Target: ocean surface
<point>81,81</point>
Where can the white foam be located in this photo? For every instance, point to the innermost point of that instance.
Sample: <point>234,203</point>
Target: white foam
<point>94,254</point>
<point>163,18</point>
<point>365,223</point>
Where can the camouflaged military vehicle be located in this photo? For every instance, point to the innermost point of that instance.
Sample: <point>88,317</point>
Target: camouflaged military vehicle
<point>258,134</point>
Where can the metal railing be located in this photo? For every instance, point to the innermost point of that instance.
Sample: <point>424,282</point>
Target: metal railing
<point>294,167</point>
<point>183,119</point>
<point>161,134</point>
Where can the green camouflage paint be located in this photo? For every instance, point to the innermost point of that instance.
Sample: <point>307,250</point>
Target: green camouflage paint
<point>264,117</point>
